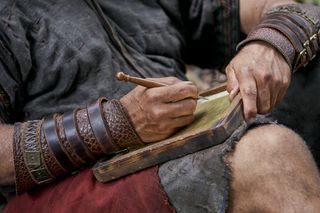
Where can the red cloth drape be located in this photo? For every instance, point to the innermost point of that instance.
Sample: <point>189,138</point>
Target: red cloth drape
<point>140,192</point>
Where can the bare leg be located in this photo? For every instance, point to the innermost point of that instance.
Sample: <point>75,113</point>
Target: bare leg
<point>273,171</point>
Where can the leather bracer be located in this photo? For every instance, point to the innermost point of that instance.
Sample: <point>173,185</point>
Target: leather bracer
<point>59,145</point>
<point>294,30</point>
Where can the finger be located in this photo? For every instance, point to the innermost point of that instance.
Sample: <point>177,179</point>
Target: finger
<point>181,108</point>
<point>277,88</point>
<point>169,126</point>
<point>173,93</point>
<point>283,91</point>
<point>264,85</point>
<point>248,90</point>
<point>232,85</point>
<point>180,121</point>
<point>167,80</point>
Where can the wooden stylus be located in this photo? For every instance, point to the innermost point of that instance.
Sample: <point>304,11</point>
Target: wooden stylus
<point>139,81</point>
<point>151,84</point>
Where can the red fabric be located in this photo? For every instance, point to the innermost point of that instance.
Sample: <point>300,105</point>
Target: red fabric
<point>140,192</point>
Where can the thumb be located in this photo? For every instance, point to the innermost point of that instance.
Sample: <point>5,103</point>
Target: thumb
<point>232,84</point>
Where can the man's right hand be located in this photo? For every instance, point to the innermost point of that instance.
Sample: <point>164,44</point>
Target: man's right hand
<point>157,113</point>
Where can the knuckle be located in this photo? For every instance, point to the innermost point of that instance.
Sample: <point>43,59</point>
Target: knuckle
<point>251,112</point>
<point>149,96</point>
<point>162,127</point>
<point>193,89</point>
<point>156,114</point>
<point>249,91</point>
<point>265,76</point>
<point>286,81</point>
<point>228,69</point>
<point>190,119</point>
<point>172,80</point>
<point>190,106</point>
<point>265,108</point>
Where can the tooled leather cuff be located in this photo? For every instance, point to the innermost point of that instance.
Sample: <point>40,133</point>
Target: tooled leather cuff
<point>62,144</point>
<point>121,128</point>
<point>294,30</point>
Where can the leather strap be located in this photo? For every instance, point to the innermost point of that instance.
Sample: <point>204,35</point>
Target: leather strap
<point>73,137</point>
<point>23,180</point>
<point>121,128</point>
<point>33,156</point>
<point>49,129</point>
<point>273,38</point>
<point>291,36</point>
<point>299,24</point>
<point>301,34</point>
<point>100,129</point>
<point>49,158</point>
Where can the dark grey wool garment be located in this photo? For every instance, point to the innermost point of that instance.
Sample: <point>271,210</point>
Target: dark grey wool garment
<point>56,55</point>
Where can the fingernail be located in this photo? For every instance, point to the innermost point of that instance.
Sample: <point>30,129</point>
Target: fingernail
<point>232,93</point>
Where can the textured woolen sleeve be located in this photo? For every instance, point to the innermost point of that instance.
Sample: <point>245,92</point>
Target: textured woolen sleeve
<point>15,57</point>
<point>212,31</point>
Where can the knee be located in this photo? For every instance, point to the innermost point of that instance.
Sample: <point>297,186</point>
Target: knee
<point>268,143</point>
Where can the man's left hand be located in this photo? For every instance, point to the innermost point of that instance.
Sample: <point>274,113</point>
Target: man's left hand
<point>262,76</point>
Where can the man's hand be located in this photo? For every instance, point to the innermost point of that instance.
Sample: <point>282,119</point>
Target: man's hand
<point>261,75</point>
<point>157,113</point>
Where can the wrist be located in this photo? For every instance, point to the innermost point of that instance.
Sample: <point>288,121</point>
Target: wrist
<point>61,144</point>
<point>293,30</point>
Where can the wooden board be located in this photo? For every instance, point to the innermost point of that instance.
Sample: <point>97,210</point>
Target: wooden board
<point>213,124</point>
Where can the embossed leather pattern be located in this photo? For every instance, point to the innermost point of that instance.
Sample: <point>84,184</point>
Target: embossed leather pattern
<point>62,144</point>
<point>33,156</point>
<point>122,131</point>
<point>100,127</point>
<point>87,134</point>
<point>22,177</point>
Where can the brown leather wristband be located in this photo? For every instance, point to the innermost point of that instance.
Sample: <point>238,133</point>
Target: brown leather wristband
<point>299,24</point>
<point>274,39</point>
<point>49,158</point>
<point>46,150</point>
<point>100,128</point>
<point>23,179</point>
<point>73,137</point>
<point>49,129</point>
<point>33,156</point>
<point>121,128</point>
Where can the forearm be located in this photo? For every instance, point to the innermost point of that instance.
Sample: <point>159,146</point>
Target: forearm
<point>6,156</point>
<point>40,151</point>
<point>252,12</point>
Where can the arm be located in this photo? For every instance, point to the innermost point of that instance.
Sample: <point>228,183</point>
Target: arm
<point>252,12</point>
<point>261,71</point>
<point>154,113</point>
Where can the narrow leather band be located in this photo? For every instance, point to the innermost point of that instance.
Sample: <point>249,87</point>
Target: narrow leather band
<point>69,124</point>
<point>23,179</point>
<point>76,160</point>
<point>275,39</point>
<point>49,158</point>
<point>291,29</point>
<point>33,156</point>
<point>121,128</point>
<point>49,128</point>
<point>293,38</point>
<point>100,129</point>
